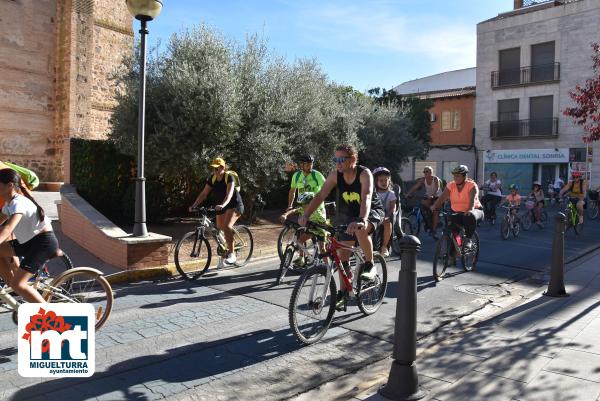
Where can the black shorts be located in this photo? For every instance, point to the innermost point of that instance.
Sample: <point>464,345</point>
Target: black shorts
<point>375,220</point>
<point>36,251</point>
<point>236,203</point>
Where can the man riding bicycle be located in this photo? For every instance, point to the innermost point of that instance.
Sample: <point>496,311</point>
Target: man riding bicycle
<point>578,187</point>
<point>433,190</point>
<point>493,196</point>
<point>357,205</point>
<point>463,194</point>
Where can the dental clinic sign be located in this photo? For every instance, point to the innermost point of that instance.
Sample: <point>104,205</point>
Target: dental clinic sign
<point>527,156</point>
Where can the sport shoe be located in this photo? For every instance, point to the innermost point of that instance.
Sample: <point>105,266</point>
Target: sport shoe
<point>300,261</point>
<point>369,272</point>
<point>384,252</point>
<point>341,300</point>
<point>230,259</point>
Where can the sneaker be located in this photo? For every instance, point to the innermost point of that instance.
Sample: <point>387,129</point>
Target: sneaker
<point>369,273</point>
<point>384,252</point>
<point>341,300</point>
<point>468,243</point>
<point>300,261</point>
<point>580,219</point>
<point>230,259</point>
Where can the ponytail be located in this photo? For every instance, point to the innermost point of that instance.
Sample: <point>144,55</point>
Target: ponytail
<point>10,176</point>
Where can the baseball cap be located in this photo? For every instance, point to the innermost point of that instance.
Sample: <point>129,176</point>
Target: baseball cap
<point>218,162</point>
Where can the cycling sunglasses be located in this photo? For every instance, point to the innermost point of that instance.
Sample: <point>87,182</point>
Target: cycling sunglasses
<point>339,160</point>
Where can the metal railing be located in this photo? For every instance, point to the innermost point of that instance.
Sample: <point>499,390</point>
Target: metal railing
<point>526,75</point>
<point>532,128</point>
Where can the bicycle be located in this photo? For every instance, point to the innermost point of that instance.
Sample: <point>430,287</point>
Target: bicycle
<point>310,250</point>
<point>533,214</point>
<point>593,209</point>
<point>400,226</point>
<point>510,223</point>
<point>490,212</point>
<point>450,246</point>
<point>314,298</point>
<point>289,232</point>
<point>419,216</point>
<point>193,252</point>
<point>572,215</point>
<point>75,285</point>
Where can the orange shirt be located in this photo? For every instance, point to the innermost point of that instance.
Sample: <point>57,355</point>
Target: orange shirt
<point>460,200</point>
<point>513,200</point>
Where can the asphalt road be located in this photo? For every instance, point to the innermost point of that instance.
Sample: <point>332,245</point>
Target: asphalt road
<point>227,335</point>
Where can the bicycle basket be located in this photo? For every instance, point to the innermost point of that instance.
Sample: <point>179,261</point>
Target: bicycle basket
<point>529,205</point>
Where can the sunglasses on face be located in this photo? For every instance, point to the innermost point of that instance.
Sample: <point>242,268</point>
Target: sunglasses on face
<point>339,160</point>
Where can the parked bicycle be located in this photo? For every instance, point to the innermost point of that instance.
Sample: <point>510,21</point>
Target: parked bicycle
<point>74,285</point>
<point>570,211</point>
<point>314,297</point>
<point>510,223</point>
<point>533,214</point>
<point>309,250</point>
<point>450,247</point>
<point>193,252</point>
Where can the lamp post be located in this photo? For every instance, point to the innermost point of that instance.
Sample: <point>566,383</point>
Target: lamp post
<point>144,11</point>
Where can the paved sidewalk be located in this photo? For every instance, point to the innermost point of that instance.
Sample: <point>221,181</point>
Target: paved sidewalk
<point>544,349</point>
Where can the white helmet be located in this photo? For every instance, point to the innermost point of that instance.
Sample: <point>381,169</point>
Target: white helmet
<point>305,197</point>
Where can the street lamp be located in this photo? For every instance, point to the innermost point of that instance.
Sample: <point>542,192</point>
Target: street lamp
<point>144,11</point>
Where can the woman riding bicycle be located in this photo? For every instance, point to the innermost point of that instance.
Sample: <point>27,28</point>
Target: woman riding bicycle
<point>464,202</point>
<point>227,199</point>
<point>35,242</point>
<point>432,185</point>
<point>538,193</point>
<point>383,185</point>
<point>578,187</point>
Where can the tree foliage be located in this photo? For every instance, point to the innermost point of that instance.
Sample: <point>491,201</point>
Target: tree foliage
<point>209,96</point>
<point>587,99</point>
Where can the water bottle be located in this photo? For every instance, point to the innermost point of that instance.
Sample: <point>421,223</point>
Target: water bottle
<point>458,239</point>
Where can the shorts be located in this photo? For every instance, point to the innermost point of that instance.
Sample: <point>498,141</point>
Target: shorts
<point>237,204</point>
<point>36,252</point>
<point>374,218</point>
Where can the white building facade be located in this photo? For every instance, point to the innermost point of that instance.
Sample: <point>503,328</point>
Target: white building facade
<point>527,62</point>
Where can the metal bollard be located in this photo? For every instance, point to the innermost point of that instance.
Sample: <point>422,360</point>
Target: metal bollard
<point>403,381</point>
<point>556,287</point>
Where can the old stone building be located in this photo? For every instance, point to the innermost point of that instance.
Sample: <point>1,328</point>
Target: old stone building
<point>56,57</point>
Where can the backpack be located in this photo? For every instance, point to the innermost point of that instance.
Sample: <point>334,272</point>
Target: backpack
<point>30,178</point>
<point>235,176</point>
<point>297,175</point>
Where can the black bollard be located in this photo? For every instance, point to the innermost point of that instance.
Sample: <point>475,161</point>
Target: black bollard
<point>403,381</point>
<point>556,287</point>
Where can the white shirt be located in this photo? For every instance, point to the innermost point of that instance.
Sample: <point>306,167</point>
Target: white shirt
<point>494,187</point>
<point>558,183</point>
<point>430,188</point>
<point>30,225</point>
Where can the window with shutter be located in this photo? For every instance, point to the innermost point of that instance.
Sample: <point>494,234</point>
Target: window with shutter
<point>451,120</point>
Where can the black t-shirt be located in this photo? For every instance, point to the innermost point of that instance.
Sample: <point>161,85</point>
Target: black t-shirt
<point>219,190</point>
<point>349,196</point>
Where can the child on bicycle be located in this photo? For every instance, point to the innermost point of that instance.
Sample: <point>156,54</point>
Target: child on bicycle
<point>318,217</point>
<point>383,185</point>
<point>35,241</point>
<point>513,200</point>
<point>538,194</point>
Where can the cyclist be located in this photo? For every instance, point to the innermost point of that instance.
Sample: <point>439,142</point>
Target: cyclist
<point>357,205</point>
<point>538,193</point>
<point>228,202</point>
<point>383,185</point>
<point>578,187</point>
<point>433,190</point>
<point>463,194</point>
<point>513,200</point>
<point>34,240</point>
<point>492,198</point>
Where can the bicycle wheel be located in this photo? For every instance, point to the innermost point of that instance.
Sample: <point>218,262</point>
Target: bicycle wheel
<point>516,228</point>
<point>415,224</point>
<point>86,286</point>
<point>59,264</point>
<point>441,258</point>
<point>285,237</point>
<point>312,305</point>
<point>469,258</point>
<point>526,220</point>
<point>370,293</point>
<point>406,226</point>
<point>505,228</point>
<point>243,243</point>
<point>192,256</point>
<point>543,219</point>
<point>285,264</point>
<point>592,210</point>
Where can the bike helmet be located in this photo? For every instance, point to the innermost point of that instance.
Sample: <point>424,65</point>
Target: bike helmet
<point>537,183</point>
<point>305,198</point>
<point>307,158</point>
<point>381,170</point>
<point>462,169</point>
<point>513,186</point>
<point>576,174</point>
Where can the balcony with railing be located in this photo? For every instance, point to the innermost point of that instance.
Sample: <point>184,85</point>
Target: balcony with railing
<point>529,75</point>
<point>524,129</point>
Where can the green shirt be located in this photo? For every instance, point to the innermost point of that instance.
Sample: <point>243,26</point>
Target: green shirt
<point>313,182</point>
<point>318,217</point>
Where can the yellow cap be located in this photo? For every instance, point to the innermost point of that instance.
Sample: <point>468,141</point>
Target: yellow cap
<point>218,162</point>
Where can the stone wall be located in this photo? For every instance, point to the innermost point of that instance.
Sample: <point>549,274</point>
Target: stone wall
<point>55,60</point>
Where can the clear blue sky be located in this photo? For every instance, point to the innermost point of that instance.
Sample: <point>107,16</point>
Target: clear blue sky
<point>363,43</point>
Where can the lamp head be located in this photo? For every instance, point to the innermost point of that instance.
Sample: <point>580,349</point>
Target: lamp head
<point>144,10</point>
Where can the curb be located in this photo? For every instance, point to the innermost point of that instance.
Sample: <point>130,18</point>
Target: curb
<point>168,271</point>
